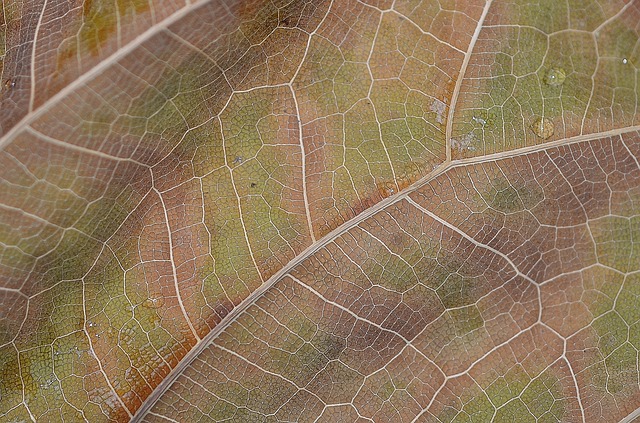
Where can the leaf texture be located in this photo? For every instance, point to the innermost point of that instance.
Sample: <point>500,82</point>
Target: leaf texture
<point>300,210</point>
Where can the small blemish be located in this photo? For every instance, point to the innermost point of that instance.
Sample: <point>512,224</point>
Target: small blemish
<point>625,61</point>
<point>439,108</point>
<point>555,77</point>
<point>153,303</point>
<point>479,120</point>
<point>47,383</point>
<point>542,127</point>
<point>238,160</point>
<point>286,21</point>
<point>464,143</point>
<point>9,84</point>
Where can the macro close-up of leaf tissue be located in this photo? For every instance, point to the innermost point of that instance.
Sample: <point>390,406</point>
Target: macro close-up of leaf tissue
<point>320,211</point>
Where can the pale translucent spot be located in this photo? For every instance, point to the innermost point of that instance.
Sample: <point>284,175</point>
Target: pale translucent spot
<point>110,400</point>
<point>47,383</point>
<point>439,108</point>
<point>464,143</point>
<point>555,77</point>
<point>71,350</point>
<point>153,303</point>
<point>542,127</point>
<point>479,120</point>
<point>625,61</point>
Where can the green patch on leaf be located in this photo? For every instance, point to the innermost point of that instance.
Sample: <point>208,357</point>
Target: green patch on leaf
<point>366,157</point>
<point>466,319</point>
<point>507,198</point>
<point>10,379</point>
<point>387,270</point>
<point>476,409</point>
<point>628,300</point>
<point>617,242</point>
<point>601,289</point>
<point>315,81</point>
<point>42,387</point>
<point>101,18</point>
<point>514,411</point>
<point>621,375</point>
<point>351,83</point>
<point>544,398</point>
<point>457,290</point>
<point>612,330</point>
<point>305,362</point>
<point>232,273</point>
<point>508,386</point>
<point>546,15</point>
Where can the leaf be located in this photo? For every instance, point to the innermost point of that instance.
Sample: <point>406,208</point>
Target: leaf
<point>298,210</point>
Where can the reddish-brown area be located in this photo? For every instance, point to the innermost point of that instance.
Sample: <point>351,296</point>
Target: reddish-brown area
<point>156,196</point>
<point>356,300</point>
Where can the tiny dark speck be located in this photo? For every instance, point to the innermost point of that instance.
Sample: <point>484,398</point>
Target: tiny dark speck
<point>286,21</point>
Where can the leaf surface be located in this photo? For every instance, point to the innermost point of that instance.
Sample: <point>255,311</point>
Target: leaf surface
<point>326,210</point>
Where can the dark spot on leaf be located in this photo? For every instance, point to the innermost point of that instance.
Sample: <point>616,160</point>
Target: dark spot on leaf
<point>506,200</point>
<point>332,346</point>
<point>286,21</point>
<point>221,310</point>
<point>457,291</point>
<point>506,197</point>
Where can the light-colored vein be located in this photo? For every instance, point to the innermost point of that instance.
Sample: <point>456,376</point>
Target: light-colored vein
<point>173,265</point>
<point>240,208</point>
<point>373,105</point>
<point>303,160</point>
<point>594,82</point>
<point>79,148</point>
<point>330,237</point>
<point>566,360</point>
<point>32,94</point>
<point>469,238</point>
<point>547,146</point>
<point>90,341</point>
<point>347,309</point>
<point>299,117</point>
<point>96,71</point>
<point>631,417</point>
<point>456,91</point>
